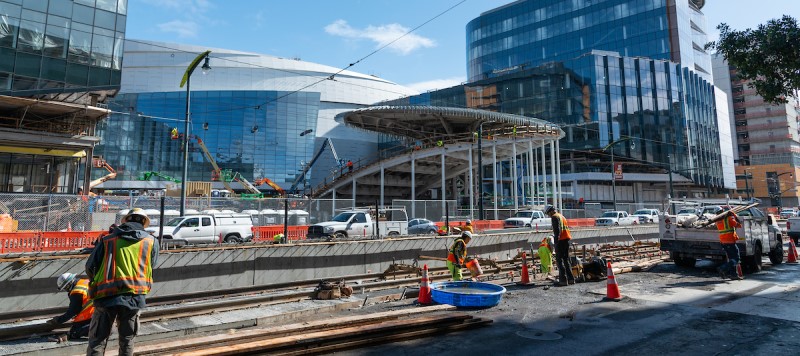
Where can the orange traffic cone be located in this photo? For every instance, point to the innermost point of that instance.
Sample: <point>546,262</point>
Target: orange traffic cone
<point>612,289</point>
<point>424,296</point>
<point>69,226</point>
<point>525,279</point>
<point>739,271</point>
<point>792,252</point>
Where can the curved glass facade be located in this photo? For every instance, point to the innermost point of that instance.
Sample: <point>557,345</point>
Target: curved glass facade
<point>254,143</point>
<point>247,110</point>
<point>60,46</point>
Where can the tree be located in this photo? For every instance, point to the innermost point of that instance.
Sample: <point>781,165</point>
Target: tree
<point>769,56</point>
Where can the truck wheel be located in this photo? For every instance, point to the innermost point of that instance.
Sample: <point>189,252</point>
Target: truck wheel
<point>232,239</point>
<point>687,262</point>
<point>776,254</point>
<point>394,233</point>
<point>754,262</point>
<point>340,235</point>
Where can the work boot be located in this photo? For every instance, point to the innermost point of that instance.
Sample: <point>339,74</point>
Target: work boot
<point>561,284</point>
<point>722,273</point>
<point>571,282</point>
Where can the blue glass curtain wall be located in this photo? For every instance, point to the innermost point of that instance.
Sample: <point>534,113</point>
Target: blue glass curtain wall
<point>49,46</point>
<point>255,133</point>
<point>529,33</point>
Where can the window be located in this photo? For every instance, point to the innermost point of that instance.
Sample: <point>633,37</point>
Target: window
<point>206,221</point>
<point>360,218</point>
<point>193,222</point>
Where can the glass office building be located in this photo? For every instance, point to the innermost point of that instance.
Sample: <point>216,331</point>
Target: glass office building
<point>529,33</point>
<point>258,115</point>
<point>625,73</point>
<point>51,48</point>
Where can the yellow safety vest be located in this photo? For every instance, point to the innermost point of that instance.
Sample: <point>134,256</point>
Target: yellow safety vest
<point>126,268</point>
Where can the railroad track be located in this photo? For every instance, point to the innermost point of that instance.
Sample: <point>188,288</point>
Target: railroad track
<point>322,336</point>
<point>200,303</point>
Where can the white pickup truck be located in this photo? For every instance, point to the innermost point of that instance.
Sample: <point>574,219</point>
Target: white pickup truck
<point>647,215</point>
<point>528,218</point>
<point>758,236</point>
<point>616,218</point>
<point>359,223</point>
<point>192,229</point>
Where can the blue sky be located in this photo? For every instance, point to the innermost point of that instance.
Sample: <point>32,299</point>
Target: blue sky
<point>339,32</point>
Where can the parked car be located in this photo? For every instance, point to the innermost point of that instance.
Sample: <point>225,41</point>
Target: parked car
<point>528,218</point>
<point>207,229</point>
<point>614,218</point>
<point>422,227</point>
<point>787,213</point>
<point>647,215</point>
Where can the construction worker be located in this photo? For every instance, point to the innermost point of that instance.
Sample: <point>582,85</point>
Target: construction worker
<point>563,236</point>
<point>439,143</point>
<point>80,305</point>
<point>121,269</point>
<point>174,133</point>
<point>457,255</point>
<point>349,166</point>
<point>277,238</point>
<point>728,237</point>
<point>468,227</point>
<point>546,255</point>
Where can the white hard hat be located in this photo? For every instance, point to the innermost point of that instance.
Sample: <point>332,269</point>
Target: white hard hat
<point>466,234</point>
<point>137,212</point>
<point>65,280</point>
<point>469,221</point>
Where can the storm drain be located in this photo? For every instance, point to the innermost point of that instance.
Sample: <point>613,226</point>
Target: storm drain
<point>539,335</point>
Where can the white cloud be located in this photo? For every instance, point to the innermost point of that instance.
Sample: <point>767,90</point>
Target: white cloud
<point>382,35</point>
<point>436,84</point>
<point>184,29</point>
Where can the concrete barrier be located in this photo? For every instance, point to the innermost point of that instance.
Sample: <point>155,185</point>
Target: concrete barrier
<point>31,284</point>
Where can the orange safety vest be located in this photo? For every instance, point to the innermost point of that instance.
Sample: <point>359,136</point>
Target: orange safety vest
<point>727,230</point>
<point>126,268</point>
<point>565,234</point>
<point>87,309</point>
<point>451,255</point>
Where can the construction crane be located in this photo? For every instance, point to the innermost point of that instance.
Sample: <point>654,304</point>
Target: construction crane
<point>270,183</point>
<point>99,162</point>
<point>217,170</point>
<point>148,175</point>
<point>302,175</point>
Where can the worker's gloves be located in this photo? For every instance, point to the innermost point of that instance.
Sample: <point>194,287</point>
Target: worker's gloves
<point>53,321</point>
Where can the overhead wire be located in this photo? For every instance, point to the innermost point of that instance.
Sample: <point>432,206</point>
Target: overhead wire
<point>320,79</point>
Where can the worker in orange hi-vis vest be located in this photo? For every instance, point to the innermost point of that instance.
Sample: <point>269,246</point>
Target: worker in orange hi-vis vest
<point>81,306</point>
<point>562,236</point>
<point>728,238</point>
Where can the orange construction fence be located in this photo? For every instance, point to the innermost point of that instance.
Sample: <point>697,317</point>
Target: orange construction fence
<point>39,241</point>
<point>267,233</point>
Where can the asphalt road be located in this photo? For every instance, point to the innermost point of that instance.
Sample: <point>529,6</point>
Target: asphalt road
<point>668,310</point>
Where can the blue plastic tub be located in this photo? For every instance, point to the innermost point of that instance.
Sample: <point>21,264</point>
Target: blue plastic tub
<point>467,294</point>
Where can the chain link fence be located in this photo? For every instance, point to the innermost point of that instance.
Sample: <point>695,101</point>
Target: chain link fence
<point>51,212</point>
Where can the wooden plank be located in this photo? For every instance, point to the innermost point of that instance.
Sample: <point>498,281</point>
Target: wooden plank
<point>287,329</point>
<point>313,337</point>
<point>395,337</point>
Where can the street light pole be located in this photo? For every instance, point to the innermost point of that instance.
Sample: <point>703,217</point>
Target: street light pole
<point>613,169</point>
<point>186,125</point>
<point>480,171</point>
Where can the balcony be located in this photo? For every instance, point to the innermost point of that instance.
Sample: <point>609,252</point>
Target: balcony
<point>758,115</point>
